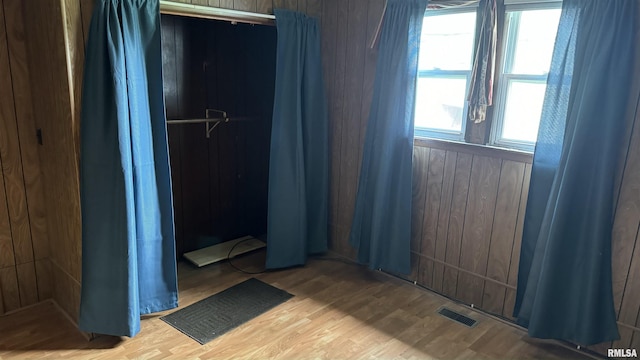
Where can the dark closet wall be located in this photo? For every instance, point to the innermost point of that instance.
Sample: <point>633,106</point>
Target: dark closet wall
<point>219,183</point>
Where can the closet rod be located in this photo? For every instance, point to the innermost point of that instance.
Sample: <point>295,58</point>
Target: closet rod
<point>234,16</point>
<point>209,120</point>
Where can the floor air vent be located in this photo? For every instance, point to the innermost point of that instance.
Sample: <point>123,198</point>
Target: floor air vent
<point>464,320</point>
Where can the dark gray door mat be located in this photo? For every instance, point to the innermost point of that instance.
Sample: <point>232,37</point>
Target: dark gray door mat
<point>209,318</point>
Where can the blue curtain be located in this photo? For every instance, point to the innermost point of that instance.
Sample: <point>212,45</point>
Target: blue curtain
<point>381,228</point>
<point>564,281</point>
<point>298,168</point>
<point>128,249</point>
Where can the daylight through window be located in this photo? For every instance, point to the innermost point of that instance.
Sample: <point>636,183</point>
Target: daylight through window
<point>446,55</point>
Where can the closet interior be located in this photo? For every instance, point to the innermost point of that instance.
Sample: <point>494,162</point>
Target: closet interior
<point>219,79</point>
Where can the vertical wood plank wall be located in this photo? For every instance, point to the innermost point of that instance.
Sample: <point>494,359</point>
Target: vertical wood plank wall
<point>219,183</point>
<point>462,245</point>
<point>59,29</point>
<point>25,276</point>
<point>468,211</point>
<point>56,28</point>
<point>468,202</point>
<point>197,215</point>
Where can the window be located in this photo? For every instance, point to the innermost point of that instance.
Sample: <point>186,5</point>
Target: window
<point>446,56</point>
<point>443,76</point>
<point>528,47</point>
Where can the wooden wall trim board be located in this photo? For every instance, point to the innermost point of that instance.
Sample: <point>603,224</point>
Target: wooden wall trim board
<point>475,149</point>
<point>459,269</point>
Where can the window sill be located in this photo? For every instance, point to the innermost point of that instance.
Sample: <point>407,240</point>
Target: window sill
<point>475,149</point>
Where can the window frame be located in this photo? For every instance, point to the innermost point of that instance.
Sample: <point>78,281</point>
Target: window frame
<point>485,133</point>
<point>504,76</point>
<point>432,133</point>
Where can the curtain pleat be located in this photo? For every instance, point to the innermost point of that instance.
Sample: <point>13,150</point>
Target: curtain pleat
<point>564,280</point>
<point>480,94</point>
<point>299,155</point>
<point>381,229</point>
<point>128,246</point>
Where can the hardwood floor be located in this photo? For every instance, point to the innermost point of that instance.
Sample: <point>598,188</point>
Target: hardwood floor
<point>340,311</point>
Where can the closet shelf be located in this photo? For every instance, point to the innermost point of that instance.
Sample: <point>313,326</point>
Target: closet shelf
<point>234,16</point>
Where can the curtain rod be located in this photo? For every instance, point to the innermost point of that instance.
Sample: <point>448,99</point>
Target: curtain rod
<point>205,12</point>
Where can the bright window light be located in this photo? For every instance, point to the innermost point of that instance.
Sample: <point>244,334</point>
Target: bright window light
<point>529,40</point>
<point>445,60</point>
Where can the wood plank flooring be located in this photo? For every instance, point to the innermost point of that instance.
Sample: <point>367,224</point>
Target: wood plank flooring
<point>340,311</point>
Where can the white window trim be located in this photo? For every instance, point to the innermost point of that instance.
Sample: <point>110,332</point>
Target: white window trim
<point>505,76</point>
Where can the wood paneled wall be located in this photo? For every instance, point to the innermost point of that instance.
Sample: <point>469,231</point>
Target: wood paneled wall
<point>626,235</point>
<point>219,183</point>
<point>25,269</point>
<point>468,212</point>
<point>349,67</point>
<point>468,200</point>
<point>55,32</point>
<point>49,36</point>
<point>462,245</point>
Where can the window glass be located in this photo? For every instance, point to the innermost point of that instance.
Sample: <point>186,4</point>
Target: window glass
<point>523,109</point>
<point>444,70</point>
<point>528,47</point>
<point>441,103</point>
<point>534,40</point>
<point>445,60</point>
<point>447,41</point>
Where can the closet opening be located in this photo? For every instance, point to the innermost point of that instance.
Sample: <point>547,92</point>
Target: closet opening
<point>218,79</point>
